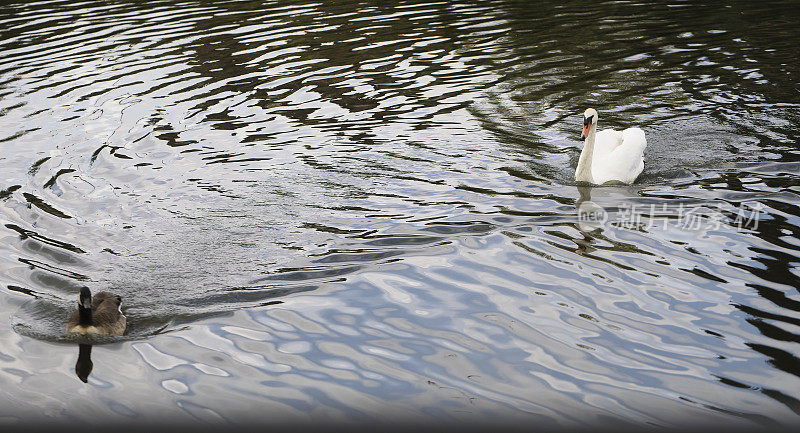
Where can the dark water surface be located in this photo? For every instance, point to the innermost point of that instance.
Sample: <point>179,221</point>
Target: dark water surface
<point>364,211</point>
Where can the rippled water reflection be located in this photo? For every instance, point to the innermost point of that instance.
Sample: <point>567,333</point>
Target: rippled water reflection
<point>363,211</point>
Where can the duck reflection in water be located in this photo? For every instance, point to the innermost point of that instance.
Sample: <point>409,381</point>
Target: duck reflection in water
<point>84,365</point>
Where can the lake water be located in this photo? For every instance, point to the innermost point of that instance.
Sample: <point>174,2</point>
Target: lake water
<point>365,212</point>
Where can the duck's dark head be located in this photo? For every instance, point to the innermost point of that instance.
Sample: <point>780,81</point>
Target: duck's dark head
<point>85,298</point>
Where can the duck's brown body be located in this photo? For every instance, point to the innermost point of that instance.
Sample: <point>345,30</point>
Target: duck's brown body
<point>105,317</point>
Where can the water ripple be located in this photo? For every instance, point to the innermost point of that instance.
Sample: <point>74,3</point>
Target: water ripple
<point>366,212</point>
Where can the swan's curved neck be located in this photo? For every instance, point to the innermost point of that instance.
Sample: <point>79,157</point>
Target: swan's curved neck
<point>584,171</point>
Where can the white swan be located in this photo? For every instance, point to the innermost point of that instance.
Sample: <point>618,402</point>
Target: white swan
<point>609,156</point>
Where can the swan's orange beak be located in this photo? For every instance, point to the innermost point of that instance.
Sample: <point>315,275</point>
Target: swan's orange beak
<point>587,124</point>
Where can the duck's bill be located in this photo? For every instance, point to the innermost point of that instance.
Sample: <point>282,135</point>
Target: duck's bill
<point>585,131</point>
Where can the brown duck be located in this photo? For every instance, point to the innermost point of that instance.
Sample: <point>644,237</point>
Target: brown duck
<point>98,315</point>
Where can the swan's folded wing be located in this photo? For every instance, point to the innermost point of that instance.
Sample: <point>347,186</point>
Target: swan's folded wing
<point>634,139</point>
<point>625,162</point>
<point>606,141</point>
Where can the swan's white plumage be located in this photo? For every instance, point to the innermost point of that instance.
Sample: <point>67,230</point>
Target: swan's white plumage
<point>617,156</point>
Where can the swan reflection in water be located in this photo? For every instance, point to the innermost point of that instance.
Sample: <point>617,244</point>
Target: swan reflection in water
<point>595,215</point>
<point>591,217</point>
